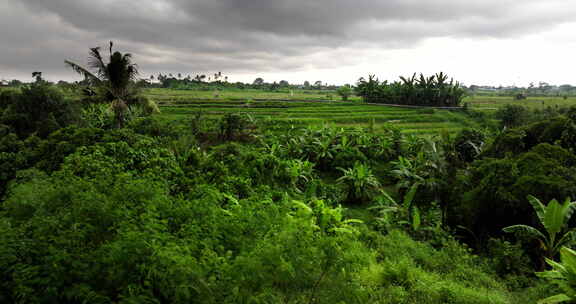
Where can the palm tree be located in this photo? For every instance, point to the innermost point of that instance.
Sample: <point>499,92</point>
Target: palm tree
<point>114,76</point>
<point>37,76</point>
<point>554,218</point>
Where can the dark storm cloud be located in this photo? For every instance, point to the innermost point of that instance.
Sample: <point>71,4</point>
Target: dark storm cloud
<point>251,35</point>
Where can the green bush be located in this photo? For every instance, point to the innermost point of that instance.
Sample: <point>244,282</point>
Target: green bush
<point>39,108</point>
<point>510,261</point>
<point>468,144</point>
<point>512,116</point>
<point>494,190</point>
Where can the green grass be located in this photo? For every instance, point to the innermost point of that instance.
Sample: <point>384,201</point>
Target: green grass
<point>171,95</point>
<point>493,102</point>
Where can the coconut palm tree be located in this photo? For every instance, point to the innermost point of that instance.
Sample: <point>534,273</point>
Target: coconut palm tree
<point>115,77</point>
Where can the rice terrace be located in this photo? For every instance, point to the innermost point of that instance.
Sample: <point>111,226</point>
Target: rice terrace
<point>291,152</point>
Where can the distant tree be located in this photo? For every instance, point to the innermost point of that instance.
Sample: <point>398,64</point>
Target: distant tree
<point>274,86</point>
<point>318,84</point>
<point>258,81</point>
<point>344,91</point>
<point>367,89</point>
<point>14,83</point>
<point>37,76</point>
<point>306,84</point>
<point>199,78</point>
<point>284,83</point>
<point>520,96</point>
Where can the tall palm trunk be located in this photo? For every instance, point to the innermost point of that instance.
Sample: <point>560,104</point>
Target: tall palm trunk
<point>119,108</point>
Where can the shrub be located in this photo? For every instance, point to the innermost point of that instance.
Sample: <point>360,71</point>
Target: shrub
<point>232,125</point>
<point>509,260</point>
<point>468,144</point>
<point>512,115</point>
<point>39,108</point>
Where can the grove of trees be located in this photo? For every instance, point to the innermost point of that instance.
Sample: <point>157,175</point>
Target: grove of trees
<point>435,90</point>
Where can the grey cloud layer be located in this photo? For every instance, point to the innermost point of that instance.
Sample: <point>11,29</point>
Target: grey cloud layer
<point>251,35</point>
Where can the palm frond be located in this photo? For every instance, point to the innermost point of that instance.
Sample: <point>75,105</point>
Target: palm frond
<point>96,62</point>
<point>82,71</point>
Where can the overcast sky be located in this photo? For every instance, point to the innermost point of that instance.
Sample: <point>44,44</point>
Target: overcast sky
<point>497,42</point>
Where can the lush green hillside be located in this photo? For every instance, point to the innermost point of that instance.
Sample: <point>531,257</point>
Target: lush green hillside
<point>224,201</point>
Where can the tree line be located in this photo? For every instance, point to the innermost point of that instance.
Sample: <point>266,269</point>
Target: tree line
<point>435,90</point>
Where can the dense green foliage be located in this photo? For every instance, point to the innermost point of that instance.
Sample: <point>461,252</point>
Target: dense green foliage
<point>435,90</point>
<point>563,274</point>
<point>36,109</point>
<point>233,210</point>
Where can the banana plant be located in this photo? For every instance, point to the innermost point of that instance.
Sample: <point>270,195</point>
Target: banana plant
<point>362,184</point>
<point>300,173</point>
<point>406,212</point>
<point>564,275</point>
<point>554,218</point>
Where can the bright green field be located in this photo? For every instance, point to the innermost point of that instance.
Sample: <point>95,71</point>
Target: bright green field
<point>170,95</point>
<point>284,110</point>
<point>343,114</point>
<point>492,102</point>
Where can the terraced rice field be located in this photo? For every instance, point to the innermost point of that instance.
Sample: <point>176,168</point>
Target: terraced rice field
<point>287,114</point>
<point>172,95</point>
<point>494,102</point>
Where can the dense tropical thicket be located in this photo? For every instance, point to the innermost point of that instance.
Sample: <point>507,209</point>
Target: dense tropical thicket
<point>224,210</point>
<point>435,90</point>
<point>101,216</point>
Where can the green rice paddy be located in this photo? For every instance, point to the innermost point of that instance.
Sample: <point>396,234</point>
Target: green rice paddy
<point>313,108</point>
